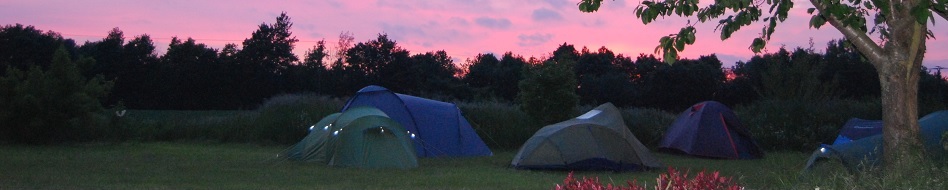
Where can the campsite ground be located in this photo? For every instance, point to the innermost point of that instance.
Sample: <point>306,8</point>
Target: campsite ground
<point>244,166</point>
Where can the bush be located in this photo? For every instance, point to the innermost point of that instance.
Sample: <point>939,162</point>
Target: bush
<point>283,119</point>
<point>286,118</point>
<point>500,125</point>
<point>571,183</point>
<point>672,180</point>
<point>801,125</point>
<point>648,124</point>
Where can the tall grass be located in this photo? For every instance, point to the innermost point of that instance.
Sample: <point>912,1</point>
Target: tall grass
<point>282,119</point>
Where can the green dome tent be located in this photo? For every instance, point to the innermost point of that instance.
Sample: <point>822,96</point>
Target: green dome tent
<point>373,142</point>
<point>312,147</point>
<point>597,140</point>
<point>362,137</point>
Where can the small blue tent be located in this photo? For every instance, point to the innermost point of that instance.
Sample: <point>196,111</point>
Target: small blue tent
<point>710,129</point>
<point>868,151</point>
<point>439,126</point>
<point>856,129</point>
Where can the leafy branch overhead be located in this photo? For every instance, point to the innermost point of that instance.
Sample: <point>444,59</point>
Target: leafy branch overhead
<point>733,15</point>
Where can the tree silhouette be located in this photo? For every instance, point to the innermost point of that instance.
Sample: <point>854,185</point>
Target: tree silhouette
<point>380,61</point>
<point>51,106</point>
<point>22,47</point>
<point>548,90</point>
<point>603,77</point>
<point>498,78</point>
<point>264,59</point>
<point>189,76</point>
<point>433,74</point>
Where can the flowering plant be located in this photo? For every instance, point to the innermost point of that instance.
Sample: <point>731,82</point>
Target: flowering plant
<point>672,180</point>
<point>571,183</point>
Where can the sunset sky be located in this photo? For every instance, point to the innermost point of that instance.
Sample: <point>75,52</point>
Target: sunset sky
<point>463,28</point>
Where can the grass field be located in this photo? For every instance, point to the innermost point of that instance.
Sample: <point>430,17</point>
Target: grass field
<point>245,166</point>
<point>237,150</point>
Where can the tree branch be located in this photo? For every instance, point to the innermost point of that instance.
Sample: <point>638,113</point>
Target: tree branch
<point>858,38</point>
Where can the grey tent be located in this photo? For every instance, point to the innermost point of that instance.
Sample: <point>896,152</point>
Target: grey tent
<point>596,140</point>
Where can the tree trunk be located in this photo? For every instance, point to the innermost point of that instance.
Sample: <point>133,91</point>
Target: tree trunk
<point>902,144</point>
<point>898,76</point>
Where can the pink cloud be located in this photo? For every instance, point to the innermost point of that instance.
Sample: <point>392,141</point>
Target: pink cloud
<point>463,28</point>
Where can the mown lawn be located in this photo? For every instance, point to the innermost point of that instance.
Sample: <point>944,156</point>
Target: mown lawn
<point>245,166</point>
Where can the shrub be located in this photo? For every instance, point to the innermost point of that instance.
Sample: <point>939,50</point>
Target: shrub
<point>672,180</point>
<point>283,119</point>
<point>286,118</point>
<point>680,181</point>
<point>571,183</point>
<point>648,124</point>
<point>500,125</point>
<point>797,124</point>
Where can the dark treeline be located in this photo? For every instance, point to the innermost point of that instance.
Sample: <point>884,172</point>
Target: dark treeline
<point>193,76</point>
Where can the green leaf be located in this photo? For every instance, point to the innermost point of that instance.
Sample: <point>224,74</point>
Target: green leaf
<point>817,21</point>
<point>810,10</point>
<point>679,44</point>
<point>668,44</point>
<point>921,12</point>
<point>670,56</point>
<point>758,45</point>
<point>883,5</point>
<point>691,37</point>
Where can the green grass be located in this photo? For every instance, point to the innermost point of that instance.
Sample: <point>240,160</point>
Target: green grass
<point>245,166</point>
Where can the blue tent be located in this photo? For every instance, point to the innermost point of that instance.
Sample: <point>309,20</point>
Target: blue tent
<point>867,151</point>
<point>856,129</point>
<point>710,129</point>
<point>439,126</point>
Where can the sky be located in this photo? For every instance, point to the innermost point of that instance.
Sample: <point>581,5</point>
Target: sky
<point>462,28</point>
